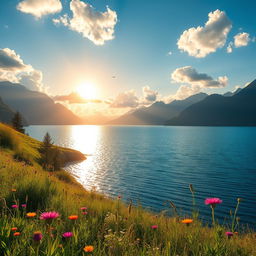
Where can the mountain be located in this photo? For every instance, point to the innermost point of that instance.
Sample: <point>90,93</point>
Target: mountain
<point>158,113</point>
<point>36,107</point>
<point>217,110</point>
<point>230,94</point>
<point>6,113</point>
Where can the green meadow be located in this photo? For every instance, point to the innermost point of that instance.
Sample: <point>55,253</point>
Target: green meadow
<point>96,225</point>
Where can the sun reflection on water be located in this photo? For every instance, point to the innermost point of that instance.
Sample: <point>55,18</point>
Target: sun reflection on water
<point>86,139</point>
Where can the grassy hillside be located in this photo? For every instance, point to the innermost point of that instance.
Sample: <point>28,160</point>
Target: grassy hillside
<point>98,225</point>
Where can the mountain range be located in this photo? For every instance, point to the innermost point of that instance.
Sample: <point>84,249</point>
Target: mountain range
<point>218,110</point>
<point>36,107</point>
<point>158,113</point>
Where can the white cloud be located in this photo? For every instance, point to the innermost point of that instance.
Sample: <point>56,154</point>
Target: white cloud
<point>126,99</point>
<point>13,69</point>
<point>201,41</point>
<point>230,47</point>
<point>149,95</point>
<point>190,76</point>
<point>33,80</point>
<point>241,39</point>
<point>39,8</point>
<point>96,26</point>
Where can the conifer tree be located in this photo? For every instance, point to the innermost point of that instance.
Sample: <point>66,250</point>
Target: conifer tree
<point>17,122</point>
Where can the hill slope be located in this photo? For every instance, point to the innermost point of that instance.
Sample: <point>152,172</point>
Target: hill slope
<point>6,113</point>
<point>217,110</point>
<point>36,107</point>
<point>158,113</point>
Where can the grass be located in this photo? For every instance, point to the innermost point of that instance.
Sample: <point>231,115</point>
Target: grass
<point>110,226</point>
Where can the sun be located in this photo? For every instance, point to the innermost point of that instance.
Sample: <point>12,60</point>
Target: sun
<point>87,90</point>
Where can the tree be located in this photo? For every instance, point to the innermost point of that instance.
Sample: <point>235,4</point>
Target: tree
<point>17,122</point>
<point>56,159</point>
<point>45,150</point>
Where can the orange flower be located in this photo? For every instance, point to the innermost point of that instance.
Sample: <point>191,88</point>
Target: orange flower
<point>73,217</point>
<point>187,221</point>
<point>14,229</point>
<point>31,214</point>
<point>14,189</point>
<point>88,248</point>
<point>16,234</point>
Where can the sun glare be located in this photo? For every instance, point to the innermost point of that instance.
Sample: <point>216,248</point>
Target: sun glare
<point>87,91</point>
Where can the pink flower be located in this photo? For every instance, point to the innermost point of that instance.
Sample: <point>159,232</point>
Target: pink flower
<point>229,234</point>
<point>213,201</point>
<point>84,213</point>
<point>24,205</point>
<point>15,206</point>
<point>67,234</point>
<point>49,215</point>
<point>83,208</point>
<point>154,226</point>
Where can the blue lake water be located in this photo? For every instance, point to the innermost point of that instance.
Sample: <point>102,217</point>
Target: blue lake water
<point>153,164</point>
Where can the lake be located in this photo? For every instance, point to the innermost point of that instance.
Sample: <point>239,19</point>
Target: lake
<point>152,164</point>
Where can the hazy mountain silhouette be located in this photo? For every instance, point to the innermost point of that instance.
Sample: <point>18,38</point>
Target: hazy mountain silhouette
<point>6,113</point>
<point>230,94</point>
<point>158,113</point>
<point>36,107</point>
<point>217,110</point>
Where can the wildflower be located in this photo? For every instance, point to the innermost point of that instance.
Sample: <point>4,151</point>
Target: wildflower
<point>83,208</point>
<point>13,189</point>
<point>31,214</point>
<point>236,233</point>
<point>67,234</point>
<point>154,226</point>
<point>213,201</point>
<point>23,205</point>
<point>49,215</point>
<point>14,206</point>
<point>187,221</point>
<point>73,217</point>
<point>16,234</point>
<point>88,248</point>
<point>84,213</point>
<point>229,234</point>
<point>14,229</point>
<point>37,236</point>
<point>119,197</point>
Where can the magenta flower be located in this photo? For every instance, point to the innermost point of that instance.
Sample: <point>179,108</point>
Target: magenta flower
<point>15,206</point>
<point>229,234</point>
<point>154,226</point>
<point>37,236</point>
<point>23,205</point>
<point>67,234</point>
<point>213,201</point>
<point>84,213</point>
<point>49,215</point>
<point>83,208</point>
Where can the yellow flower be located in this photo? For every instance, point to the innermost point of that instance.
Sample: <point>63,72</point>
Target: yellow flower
<point>31,214</point>
<point>88,248</point>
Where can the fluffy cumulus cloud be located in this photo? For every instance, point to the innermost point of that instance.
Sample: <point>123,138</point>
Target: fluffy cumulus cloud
<point>39,8</point>
<point>201,41</point>
<point>127,99</point>
<point>190,76</point>
<point>240,40</point>
<point>149,95</point>
<point>96,26</point>
<point>13,69</point>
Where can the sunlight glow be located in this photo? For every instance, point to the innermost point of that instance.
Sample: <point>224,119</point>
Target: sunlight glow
<point>87,91</point>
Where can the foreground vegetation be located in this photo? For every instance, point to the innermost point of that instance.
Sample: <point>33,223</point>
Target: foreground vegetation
<point>87,223</point>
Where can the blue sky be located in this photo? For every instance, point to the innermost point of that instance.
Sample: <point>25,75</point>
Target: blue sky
<point>144,33</point>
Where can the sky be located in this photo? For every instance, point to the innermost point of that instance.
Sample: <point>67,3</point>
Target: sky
<point>122,54</point>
